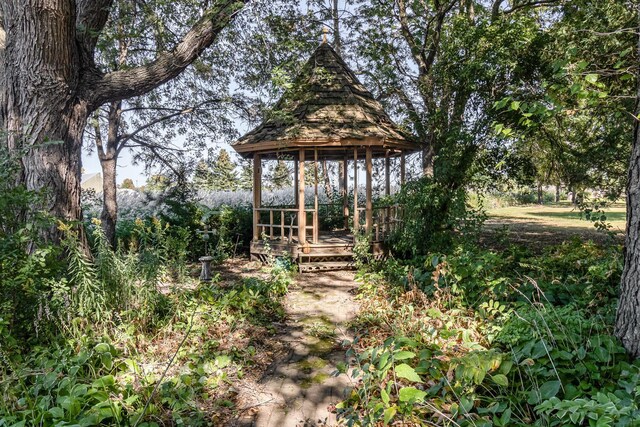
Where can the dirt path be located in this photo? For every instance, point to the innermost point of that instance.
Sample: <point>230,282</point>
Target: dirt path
<point>302,385</point>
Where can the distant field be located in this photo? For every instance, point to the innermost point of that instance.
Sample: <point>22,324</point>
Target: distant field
<point>541,225</point>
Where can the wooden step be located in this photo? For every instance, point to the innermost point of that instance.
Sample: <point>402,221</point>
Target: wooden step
<point>321,254</point>
<point>307,267</point>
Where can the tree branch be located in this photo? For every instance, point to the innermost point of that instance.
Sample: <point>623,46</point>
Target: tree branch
<point>416,51</point>
<point>435,40</point>
<point>154,149</point>
<point>91,17</point>
<point>124,138</point>
<point>123,84</point>
<point>495,8</point>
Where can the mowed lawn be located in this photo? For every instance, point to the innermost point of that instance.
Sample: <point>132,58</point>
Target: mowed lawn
<point>540,225</point>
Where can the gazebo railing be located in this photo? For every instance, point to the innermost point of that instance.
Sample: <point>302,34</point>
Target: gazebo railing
<point>386,220</point>
<point>273,221</point>
<point>282,223</point>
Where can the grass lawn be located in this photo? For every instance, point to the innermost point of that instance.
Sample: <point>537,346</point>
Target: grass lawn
<point>540,225</point>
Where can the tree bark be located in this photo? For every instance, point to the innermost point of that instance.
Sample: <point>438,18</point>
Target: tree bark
<point>109,215</point>
<point>540,200</point>
<point>628,312</point>
<point>42,113</point>
<point>328,190</point>
<point>341,168</point>
<point>49,85</point>
<point>108,156</point>
<point>335,15</point>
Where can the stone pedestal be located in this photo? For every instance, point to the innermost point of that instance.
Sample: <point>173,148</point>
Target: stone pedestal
<point>205,274</point>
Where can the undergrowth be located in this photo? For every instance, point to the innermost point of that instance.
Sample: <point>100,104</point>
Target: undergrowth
<point>118,337</point>
<point>477,338</point>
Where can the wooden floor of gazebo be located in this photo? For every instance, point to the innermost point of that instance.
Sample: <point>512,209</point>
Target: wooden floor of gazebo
<point>333,250</point>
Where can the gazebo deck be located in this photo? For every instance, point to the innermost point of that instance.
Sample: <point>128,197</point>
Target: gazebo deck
<point>333,249</point>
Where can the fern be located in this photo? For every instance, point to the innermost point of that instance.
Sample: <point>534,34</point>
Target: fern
<point>88,294</point>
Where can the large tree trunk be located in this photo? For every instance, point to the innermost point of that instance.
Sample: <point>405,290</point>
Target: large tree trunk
<point>49,84</point>
<point>628,314</point>
<point>42,113</point>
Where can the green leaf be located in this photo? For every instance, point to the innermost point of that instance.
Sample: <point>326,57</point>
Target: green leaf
<point>549,389</point>
<point>104,382</point>
<point>591,78</point>
<point>411,394</point>
<point>385,396</point>
<point>56,412</point>
<point>107,360</point>
<point>102,347</point>
<point>500,379</point>
<point>389,413</point>
<point>407,372</point>
<point>402,355</point>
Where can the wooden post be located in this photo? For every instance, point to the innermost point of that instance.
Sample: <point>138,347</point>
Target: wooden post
<point>295,183</point>
<point>402,168</point>
<point>257,194</point>
<point>282,225</point>
<point>316,229</point>
<point>369,202</point>
<point>387,191</point>
<point>302,215</point>
<point>271,224</point>
<point>345,192</point>
<point>387,174</point>
<point>356,214</point>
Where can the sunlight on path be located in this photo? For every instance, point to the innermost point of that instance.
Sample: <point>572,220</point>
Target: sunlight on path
<point>299,389</point>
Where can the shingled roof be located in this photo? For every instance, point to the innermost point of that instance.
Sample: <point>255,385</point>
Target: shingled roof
<point>326,106</point>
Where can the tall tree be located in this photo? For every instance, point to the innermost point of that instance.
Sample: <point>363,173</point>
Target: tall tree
<point>280,175</point>
<point>245,180</point>
<point>437,66</point>
<point>51,84</point>
<point>202,176</point>
<point>223,173</point>
<point>628,314</point>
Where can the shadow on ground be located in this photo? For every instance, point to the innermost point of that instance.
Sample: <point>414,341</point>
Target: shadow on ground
<point>303,384</point>
<point>499,232</point>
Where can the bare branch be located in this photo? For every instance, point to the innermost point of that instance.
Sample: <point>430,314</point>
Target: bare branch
<point>124,138</point>
<point>154,149</point>
<point>416,51</point>
<point>435,40</point>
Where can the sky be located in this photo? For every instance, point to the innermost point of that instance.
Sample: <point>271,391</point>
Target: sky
<point>126,168</point>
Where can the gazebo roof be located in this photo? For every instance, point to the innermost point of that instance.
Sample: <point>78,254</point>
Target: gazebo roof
<point>327,108</point>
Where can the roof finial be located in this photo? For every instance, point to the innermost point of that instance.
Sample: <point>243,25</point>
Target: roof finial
<point>325,31</point>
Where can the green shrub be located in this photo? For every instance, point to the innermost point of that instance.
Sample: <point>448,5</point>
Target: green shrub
<point>470,337</point>
<point>27,264</point>
<point>433,218</point>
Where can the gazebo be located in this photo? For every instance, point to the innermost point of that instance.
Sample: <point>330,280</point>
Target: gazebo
<point>326,115</point>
